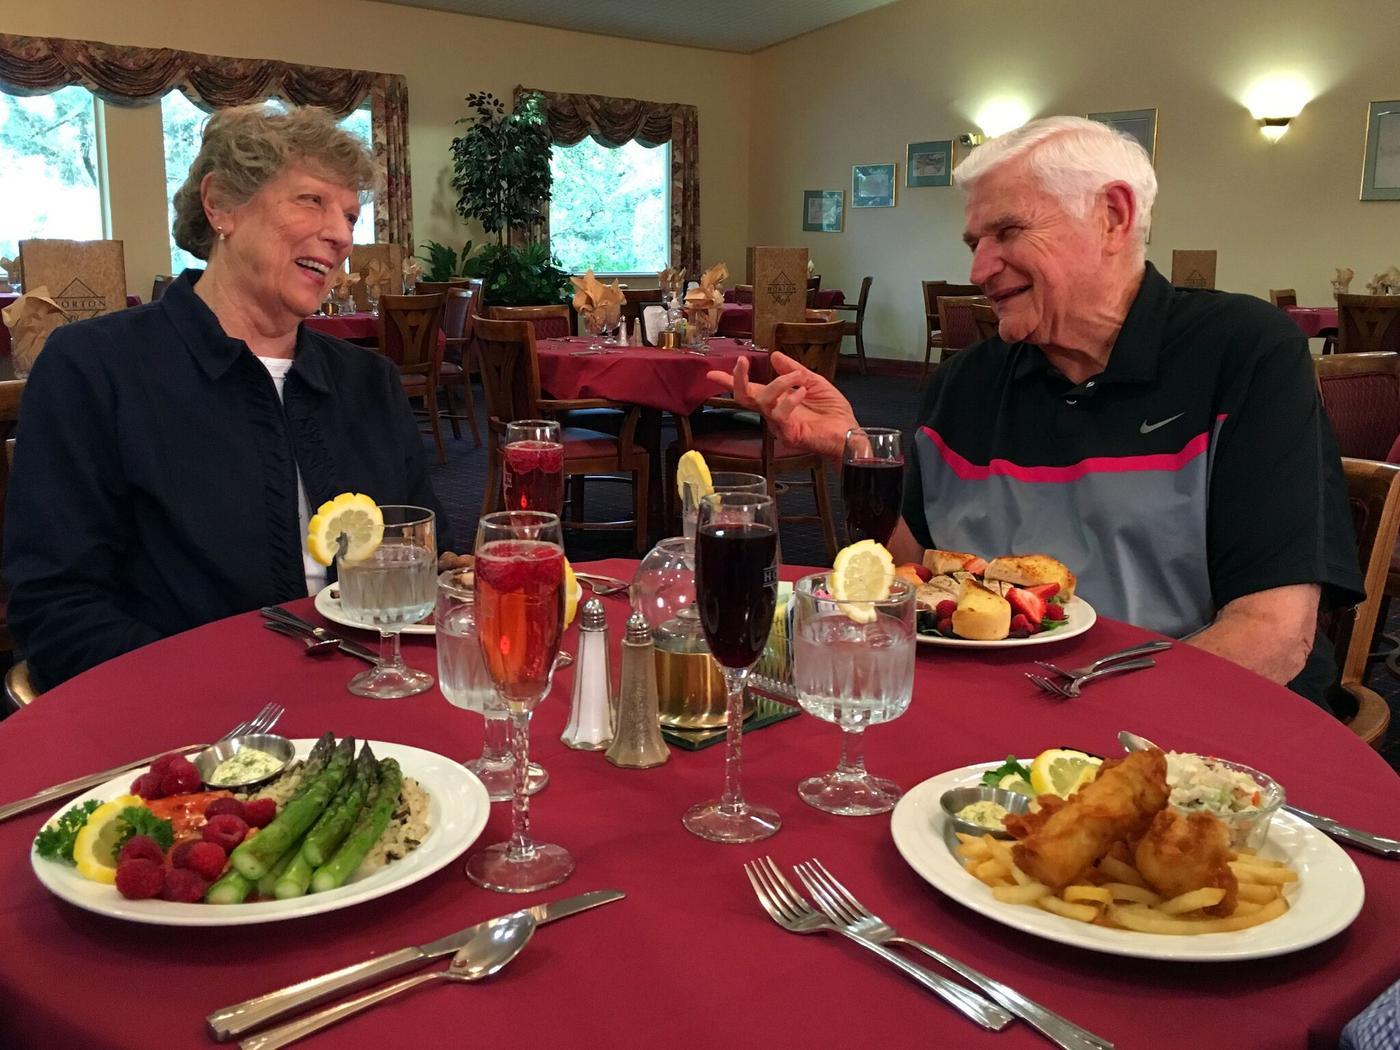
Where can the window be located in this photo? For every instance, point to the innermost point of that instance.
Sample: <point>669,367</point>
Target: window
<point>48,154</point>
<point>610,207</point>
<point>183,125</point>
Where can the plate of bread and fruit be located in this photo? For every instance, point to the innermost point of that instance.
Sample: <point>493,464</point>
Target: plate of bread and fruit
<point>966,601</point>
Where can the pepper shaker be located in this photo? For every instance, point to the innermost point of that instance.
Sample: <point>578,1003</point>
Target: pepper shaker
<point>590,725</point>
<point>637,743</point>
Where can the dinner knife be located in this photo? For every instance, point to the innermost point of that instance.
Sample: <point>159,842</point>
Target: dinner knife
<point>230,1022</point>
<point>275,612</point>
<point>72,787</point>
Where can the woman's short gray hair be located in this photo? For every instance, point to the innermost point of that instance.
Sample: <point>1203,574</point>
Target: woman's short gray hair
<point>1073,159</point>
<point>246,147</point>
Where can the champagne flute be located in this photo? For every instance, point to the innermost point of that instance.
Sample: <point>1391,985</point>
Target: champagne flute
<point>872,482</point>
<point>853,664</point>
<point>736,588</point>
<point>532,472</point>
<point>520,616</point>
<point>720,481</point>
<point>390,588</point>
<point>464,682</point>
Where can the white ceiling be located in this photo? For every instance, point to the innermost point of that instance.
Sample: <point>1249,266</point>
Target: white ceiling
<point>720,25</point>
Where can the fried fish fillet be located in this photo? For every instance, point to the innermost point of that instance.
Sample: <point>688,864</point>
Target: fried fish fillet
<point>1119,803</point>
<point>1184,853</point>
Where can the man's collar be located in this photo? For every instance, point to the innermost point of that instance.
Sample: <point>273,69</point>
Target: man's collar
<point>215,350</point>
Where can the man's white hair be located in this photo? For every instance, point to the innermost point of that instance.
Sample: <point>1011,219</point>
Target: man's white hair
<point>1073,159</point>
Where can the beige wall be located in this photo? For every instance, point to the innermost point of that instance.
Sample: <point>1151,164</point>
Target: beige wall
<point>443,56</point>
<point>1280,216</point>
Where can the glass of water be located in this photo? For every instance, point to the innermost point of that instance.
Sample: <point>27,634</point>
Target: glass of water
<point>853,664</point>
<point>391,587</point>
<point>464,681</point>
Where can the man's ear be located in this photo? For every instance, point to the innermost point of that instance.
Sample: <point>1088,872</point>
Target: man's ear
<point>1119,216</point>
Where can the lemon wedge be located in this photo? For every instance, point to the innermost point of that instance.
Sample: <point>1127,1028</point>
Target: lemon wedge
<point>95,848</point>
<point>1011,782</point>
<point>1062,772</point>
<point>693,473</point>
<point>572,593</point>
<point>352,515</point>
<point>862,572</point>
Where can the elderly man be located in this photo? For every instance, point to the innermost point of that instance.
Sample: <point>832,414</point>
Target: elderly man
<point>1167,444</point>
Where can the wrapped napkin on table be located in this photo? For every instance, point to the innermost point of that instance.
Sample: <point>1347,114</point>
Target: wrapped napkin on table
<point>14,274</point>
<point>1388,283</point>
<point>671,279</point>
<point>412,273</point>
<point>30,319</point>
<point>1342,281</point>
<point>598,302</point>
<point>377,277</point>
<point>706,299</point>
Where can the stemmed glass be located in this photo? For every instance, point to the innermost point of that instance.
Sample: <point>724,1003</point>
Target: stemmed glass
<point>872,482</point>
<point>532,472</point>
<point>720,481</point>
<point>520,616</point>
<point>736,589</point>
<point>464,682</point>
<point>853,664</point>
<point>390,588</point>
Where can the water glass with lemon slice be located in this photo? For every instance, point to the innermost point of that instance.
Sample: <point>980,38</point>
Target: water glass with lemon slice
<point>695,481</point>
<point>386,564</point>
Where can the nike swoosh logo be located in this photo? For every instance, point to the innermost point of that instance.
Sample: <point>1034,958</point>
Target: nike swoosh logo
<point>1147,427</point>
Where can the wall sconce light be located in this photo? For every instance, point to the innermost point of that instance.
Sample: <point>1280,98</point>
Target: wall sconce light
<point>1275,101</point>
<point>1000,116</point>
<point>971,138</point>
<point>1274,127</point>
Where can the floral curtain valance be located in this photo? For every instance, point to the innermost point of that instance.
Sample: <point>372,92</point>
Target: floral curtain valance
<point>132,76</point>
<point>614,121</point>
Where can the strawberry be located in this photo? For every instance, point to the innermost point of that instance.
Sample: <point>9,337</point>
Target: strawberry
<point>976,566</point>
<point>1045,590</point>
<point>1055,612</point>
<point>1027,602</point>
<point>924,572</point>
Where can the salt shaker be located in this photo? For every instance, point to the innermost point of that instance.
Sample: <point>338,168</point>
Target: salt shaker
<point>590,725</point>
<point>637,743</point>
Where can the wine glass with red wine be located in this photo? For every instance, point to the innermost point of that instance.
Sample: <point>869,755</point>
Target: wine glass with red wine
<point>736,591</point>
<point>532,475</point>
<point>872,483</point>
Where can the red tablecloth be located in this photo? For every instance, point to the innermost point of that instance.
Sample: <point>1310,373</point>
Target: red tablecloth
<point>353,328</point>
<point>669,380</point>
<point>736,318</point>
<point>1315,321</point>
<point>6,298</point>
<point>688,959</point>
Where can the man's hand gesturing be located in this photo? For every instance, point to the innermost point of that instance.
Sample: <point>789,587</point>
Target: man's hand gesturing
<point>807,410</point>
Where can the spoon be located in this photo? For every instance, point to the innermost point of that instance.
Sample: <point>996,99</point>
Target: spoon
<point>1363,840</point>
<point>495,944</point>
<point>314,646</point>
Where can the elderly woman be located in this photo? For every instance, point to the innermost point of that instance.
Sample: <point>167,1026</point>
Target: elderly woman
<point>170,454</point>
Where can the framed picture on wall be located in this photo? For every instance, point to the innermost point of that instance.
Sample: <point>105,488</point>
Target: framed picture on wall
<point>929,163</point>
<point>823,211</point>
<point>873,185</point>
<point>1380,172</point>
<point>1141,124</point>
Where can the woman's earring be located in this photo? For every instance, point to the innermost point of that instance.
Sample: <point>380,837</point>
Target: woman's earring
<point>222,236</point>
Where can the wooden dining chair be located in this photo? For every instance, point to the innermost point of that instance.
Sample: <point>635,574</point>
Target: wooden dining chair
<point>856,326</point>
<point>933,335</point>
<point>440,287</point>
<point>510,375</point>
<point>549,322</point>
<point>160,284</point>
<point>454,373</point>
<point>1368,323</point>
<point>814,285</point>
<point>984,318</point>
<point>1361,396</point>
<point>760,450</point>
<point>957,322</point>
<point>634,304</point>
<point>1282,297</point>
<point>408,336</point>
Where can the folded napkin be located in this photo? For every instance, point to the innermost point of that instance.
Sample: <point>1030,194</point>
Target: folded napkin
<point>341,282</point>
<point>707,298</point>
<point>671,280</point>
<point>811,267</point>
<point>1342,281</point>
<point>30,319</point>
<point>412,270</point>
<point>601,303</point>
<point>14,274</point>
<point>377,276</point>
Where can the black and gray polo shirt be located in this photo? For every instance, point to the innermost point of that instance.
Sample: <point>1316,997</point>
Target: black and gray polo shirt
<point>1198,467</point>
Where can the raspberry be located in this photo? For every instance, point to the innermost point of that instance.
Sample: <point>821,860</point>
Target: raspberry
<point>945,626</point>
<point>183,886</point>
<point>944,610</point>
<point>219,806</point>
<point>162,764</point>
<point>1020,626</point>
<point>924,573</point>
<point>148,785</point>
<point>181,778</point>
<point>179,856</point>
<point>225,831</point>
<point>142,847</point>
<point>139,879</point>
<point>1054,612</point>
<point>207,860</point>
<point>259,812</point>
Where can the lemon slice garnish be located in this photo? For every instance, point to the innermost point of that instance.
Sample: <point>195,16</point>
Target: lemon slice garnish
<point>95,848</point>
<point>692,472</point>
<point>1062,772</point>
<point>863,572</point>
<point>352,515</point>
<point>572,593</point>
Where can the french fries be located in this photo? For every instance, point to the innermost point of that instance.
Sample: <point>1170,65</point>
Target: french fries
<point>1115,894</point>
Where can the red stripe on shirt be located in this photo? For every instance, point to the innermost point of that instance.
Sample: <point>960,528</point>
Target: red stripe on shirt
<point>1165,461</point>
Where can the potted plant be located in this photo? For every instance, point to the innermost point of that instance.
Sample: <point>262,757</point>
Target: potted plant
<point>500,170</point>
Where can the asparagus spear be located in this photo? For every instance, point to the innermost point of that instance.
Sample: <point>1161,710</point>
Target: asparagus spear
<point>267,885</point>
<point>295,878</point>
<point>254,856</point>
<point>232,888</point>
<point>333,824</point>
<point>371,824</point>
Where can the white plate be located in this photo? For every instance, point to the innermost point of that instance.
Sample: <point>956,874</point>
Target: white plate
<point>457,810</point>
<point>1079,614</point>
<point>1324,901</point>
<point>328,605</point>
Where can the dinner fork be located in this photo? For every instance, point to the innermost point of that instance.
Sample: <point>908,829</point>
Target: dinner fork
<point>790,910</point>
<point>841,907</point>
<point>1122,654</point>
<point>1071,689</point>
<point>262,722</point>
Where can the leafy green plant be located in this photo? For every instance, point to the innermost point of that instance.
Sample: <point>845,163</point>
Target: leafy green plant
<point>500,165</point>
<point>442,263</point>
<point>518,276</point>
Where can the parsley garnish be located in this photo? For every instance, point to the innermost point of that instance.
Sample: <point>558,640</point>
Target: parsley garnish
<point>55,842</point>
<point>1010,767</point>
<point>139,820</point>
